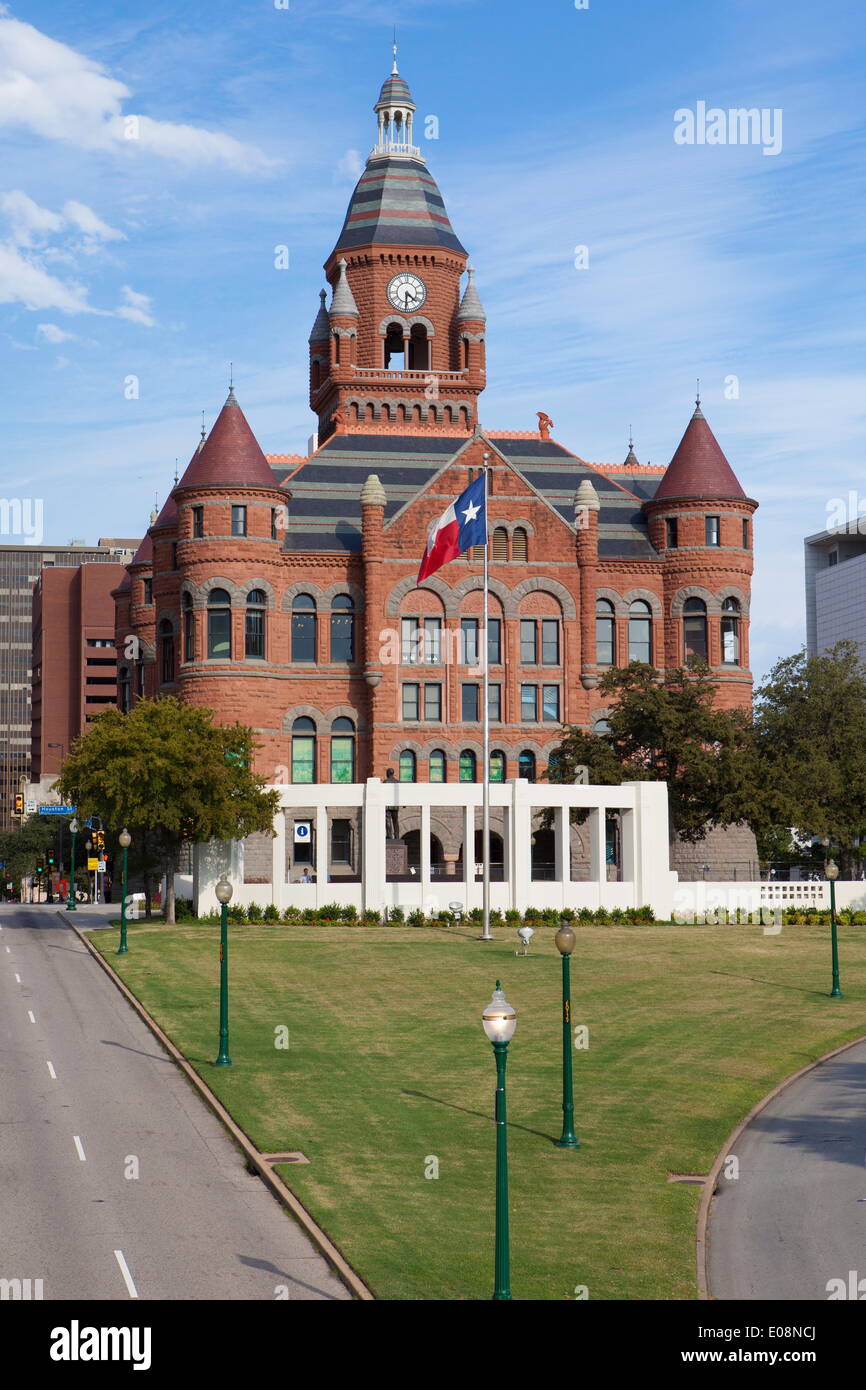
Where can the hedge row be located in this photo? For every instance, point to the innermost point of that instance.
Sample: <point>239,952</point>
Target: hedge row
<point>334,914</point>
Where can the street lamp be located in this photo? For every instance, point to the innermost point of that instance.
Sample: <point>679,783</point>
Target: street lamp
<point>73,830</point>
<point>89,847</point>
<point>224,893</point>
<point>565,939</point>
<point>125,840</point>
<point>831,870</point>
<point>500,1020</point>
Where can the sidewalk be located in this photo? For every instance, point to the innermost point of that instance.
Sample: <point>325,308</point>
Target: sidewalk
<point>90,916</point>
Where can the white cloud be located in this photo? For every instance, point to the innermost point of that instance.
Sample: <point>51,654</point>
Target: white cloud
<point>28,222</point>
<point>50,333</point>
<point>94,229</point>
<point>48,88</point>
<point>136,307</point>
<point>23,281</point>
<point>350,164</point>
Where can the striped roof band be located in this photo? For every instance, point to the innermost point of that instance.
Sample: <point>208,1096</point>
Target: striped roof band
<point>397,203</point>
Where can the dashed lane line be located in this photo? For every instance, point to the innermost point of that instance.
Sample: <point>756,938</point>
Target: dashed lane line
<point>51,1072</point>
<point>127,1277</point>
<point>80,1148</point>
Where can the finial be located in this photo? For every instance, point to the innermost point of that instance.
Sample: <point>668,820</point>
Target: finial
<point>176,475</point>
<point>630,439</point>
<point>202,427</point>
<point>394,72</point>
<point>698,396</point>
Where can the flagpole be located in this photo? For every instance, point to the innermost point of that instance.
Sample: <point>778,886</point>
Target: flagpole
<point>485,772</point>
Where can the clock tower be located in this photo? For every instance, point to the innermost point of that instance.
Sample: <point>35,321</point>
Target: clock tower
<point>401,347</point>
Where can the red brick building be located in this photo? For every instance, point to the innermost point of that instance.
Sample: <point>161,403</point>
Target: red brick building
<point>282,591</point>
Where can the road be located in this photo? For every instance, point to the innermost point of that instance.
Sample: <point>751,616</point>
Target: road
<point>87,1098</point>
<point>795,1218</point>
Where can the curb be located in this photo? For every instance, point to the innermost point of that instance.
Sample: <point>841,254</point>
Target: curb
<point>712,1178</point>
<point>278,1187</point>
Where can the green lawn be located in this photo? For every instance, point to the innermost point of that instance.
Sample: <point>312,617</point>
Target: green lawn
<point>388,1065</point>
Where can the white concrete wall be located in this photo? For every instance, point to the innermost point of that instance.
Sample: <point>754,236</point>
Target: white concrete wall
<point>646,877</point>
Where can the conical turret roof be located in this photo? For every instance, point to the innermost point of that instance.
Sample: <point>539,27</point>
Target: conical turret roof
<point>698,468</point>
<point>470,305</point>
<point>321,330</point>
<point>231,454</point>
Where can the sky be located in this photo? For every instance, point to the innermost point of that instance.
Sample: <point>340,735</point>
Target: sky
<point>153,158</point>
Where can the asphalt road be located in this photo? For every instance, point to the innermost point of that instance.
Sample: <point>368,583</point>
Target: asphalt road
<point>85,1090</point>
<point>795,1218</point>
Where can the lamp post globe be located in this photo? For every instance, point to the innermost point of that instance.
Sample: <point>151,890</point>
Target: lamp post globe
<point>223,892</point>
<point>499,1020</point>
<point>124,840</point>
<point>831,870</point>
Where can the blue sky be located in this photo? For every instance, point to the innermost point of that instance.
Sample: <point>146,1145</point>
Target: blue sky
<point>154,257</point>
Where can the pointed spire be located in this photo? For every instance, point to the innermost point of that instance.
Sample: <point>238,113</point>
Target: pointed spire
<point>200,445</point>
<point>321,330</point>
<point>394,72</point>
<point>343,301</point>
<point>471,307</point>
<point>586,498</point>
<point>230,455</point>
<point>698,468</point>
<point>631,456</point>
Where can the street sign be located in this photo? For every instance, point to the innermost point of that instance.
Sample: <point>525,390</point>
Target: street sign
<point>91,865</point>
<point>30,807</point>
<point>52,810</point>
<point>303,832</point>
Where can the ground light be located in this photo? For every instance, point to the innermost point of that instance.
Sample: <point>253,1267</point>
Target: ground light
<point>565,945</point>
<point>124,839</point>
<point>831,870</point>
<point>500,1020</point>
<point>224,893</point>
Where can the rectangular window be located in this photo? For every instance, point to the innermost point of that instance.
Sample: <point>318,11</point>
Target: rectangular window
<point>745,535</point>
<point>432,641</point>
<point>239,521</point>
<point>433,703</point>
<point>219,633</point>
<point>695,637</point>
<point>410,641</point>
<point>712,530</point>
<point>494,642</point>
<point>410,700</point>
<point>469,704</point>
<point>529,704</point>
<point>604,641</point>
<point>255,634</point>
<point>148,591</point>
<point>198,522</point>
<point>342,758</point>
<point>342,637</point>
<point>274,516</point>
<point>528,642</point>
<point>833,558</point>
<point>174,555</point>
<point>341,842</point>
<point>549,642</point>
<point>550,704</point>
<point>671,533</point>
<point>494,703</point>
<point>304,637</point>
<point>469,641</point>
<point>303,762</point>
<point>731,641</point>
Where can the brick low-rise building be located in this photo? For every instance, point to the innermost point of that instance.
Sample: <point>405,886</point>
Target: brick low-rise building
<point>283,592</point>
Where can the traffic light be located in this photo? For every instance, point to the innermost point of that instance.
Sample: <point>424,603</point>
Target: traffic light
<point>19,803</point>
<point>39,868</point>
<point>51,861</point>
<point>100,841</point>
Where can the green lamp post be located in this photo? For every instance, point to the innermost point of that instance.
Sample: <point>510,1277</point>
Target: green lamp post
<point>125,840</point>
<point>565,940</point>
<point>500,1020</point>
<point>73,830</point>
<point>224,893</point>
<point>831,871</point>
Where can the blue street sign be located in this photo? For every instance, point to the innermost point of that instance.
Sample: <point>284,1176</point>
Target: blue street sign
<point>57,811</point>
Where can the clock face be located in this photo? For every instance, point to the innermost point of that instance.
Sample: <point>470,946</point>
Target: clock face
<point>407,291</point>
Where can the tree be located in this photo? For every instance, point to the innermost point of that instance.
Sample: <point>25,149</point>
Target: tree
<point>810,719</point>
<point>666,728</point>
<point>171,776</point>
<point>22,848</point>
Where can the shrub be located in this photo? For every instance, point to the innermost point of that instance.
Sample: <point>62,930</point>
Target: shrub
<point>330,913</point>
<point>183,910</point>
<point>567,914</point>
<point>495,917</point>
<point>601,917</point>
<point>371,918</point>
<point>444,917</point>
<point>271,913</point>
<point>550,917</point>
<point>292,914</point>
<point>396,915</point>
<point>475,914</point>
<point>585,914</point>
<point>644,913</point>
<point>416,918</point>
<point>858,919</point>
<point>237,913</point>
<point>212,916</point>
<point>512,916</point>
<point>349,913</point>
<point>254,913</point>
<point>533,915</point>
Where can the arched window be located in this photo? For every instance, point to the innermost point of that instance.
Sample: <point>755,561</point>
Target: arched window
<point>304,628</point>
<point>519,545</point>
<point>342,750</point>
<point>407,765</point>
<point>497,767</point>
<point>640,632</point>
<point>731,632</point>
<point>188,629</point>
<point>467,765</point>
<point>124,685</point>
<point>219,625</point>
<point>166,644</point>
<point>526,765</point>
<point>499,549</point>
<point>139,679</point>
<point>437,765</point>
<point>303,750</point>
<point>254,624</point>
<point>419,349</point>
<point>342,628</point>
<point>394,348</point>
<point>605,633</point>
<point>695,629</point>
<point>601,726</point>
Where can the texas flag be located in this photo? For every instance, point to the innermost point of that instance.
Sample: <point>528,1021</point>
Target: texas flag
<point>461,525</point>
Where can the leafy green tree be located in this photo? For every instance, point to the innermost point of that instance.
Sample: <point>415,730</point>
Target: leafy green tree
<point>666,728</point>
<point>34,840</point>
<point>810,719</point>
<point>171,776</point>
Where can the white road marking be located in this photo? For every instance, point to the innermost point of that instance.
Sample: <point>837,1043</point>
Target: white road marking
<point>78,1146</point>
<point>127,1277</point>
<point>51,1072</point>
<point>31,1015</point>
<point>18,979</point>
<point>8,952</point>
